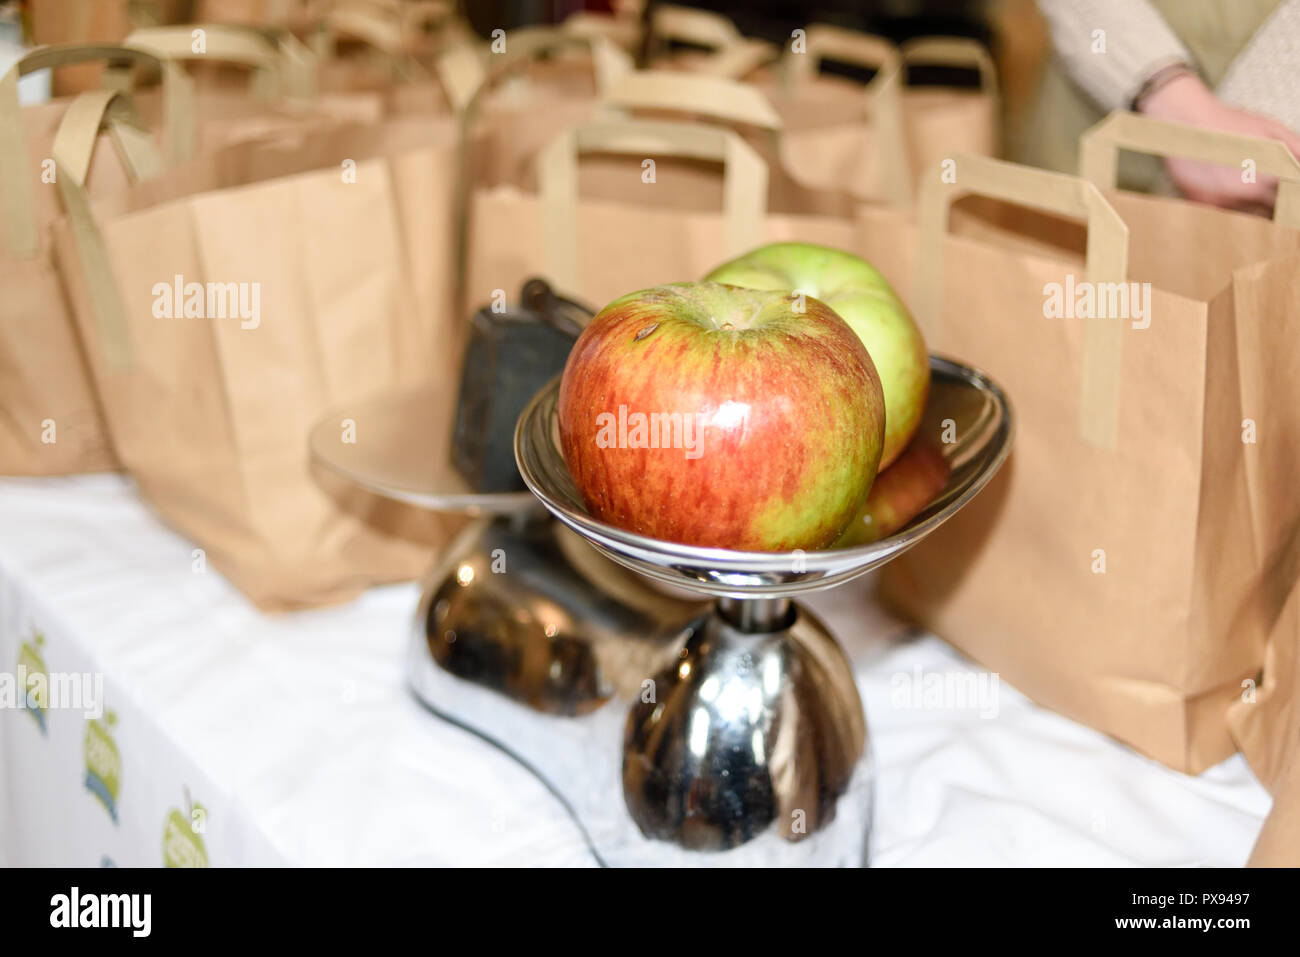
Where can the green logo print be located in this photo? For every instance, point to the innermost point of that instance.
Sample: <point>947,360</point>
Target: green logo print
<point>103,763</point>
<point>35,678</point>
<point>182,843</point>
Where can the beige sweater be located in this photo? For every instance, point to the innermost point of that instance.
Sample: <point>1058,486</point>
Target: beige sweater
<point>1135,41</point>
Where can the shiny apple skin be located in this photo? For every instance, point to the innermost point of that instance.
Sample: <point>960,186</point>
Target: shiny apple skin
<point>899,494</point>
<point>787,409</point>
<point>864,299</point>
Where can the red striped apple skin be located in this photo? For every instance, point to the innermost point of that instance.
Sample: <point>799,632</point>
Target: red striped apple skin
<point>900,493</point>
<point>861,297</point>
<point>760,426</point>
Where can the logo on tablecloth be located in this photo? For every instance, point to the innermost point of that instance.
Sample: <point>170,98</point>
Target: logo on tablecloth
<point>103,763</point>
<point>36,679</point>
<point>182,843</point>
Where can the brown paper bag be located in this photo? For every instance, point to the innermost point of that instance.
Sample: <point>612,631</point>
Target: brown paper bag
<point>50,422</point>
<point>294,14</point>
<point>249,83</point>
<point>266,63</point>
<point>883,234</point>
<point>937,120</point>
<point>381,48</point>
<point>79,22</point>
<point>874,142</point>
<point>351,266</point>
<point>622,27</point>
<point>842,135</point>
<point>1265,721</point>
<point>542,81</point>
<point>1265,290</point>
<point>1110,571</point>
<point>666,94</point>
<point>631,230</point>
<point>1278,844</point>
<point>685,38</point>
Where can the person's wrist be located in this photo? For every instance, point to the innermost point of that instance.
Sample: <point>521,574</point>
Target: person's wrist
<point>1180,97</point>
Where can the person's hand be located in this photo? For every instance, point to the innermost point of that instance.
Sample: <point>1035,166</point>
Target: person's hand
<point>1186,99</point>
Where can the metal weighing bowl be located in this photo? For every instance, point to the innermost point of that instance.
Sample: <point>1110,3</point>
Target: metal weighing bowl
<point>982,426</point>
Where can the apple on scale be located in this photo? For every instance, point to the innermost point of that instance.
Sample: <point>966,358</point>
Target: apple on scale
<point>861,296</point>
<point>715,415</point>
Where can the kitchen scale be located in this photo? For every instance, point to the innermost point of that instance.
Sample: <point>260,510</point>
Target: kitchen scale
<point>678,701</point>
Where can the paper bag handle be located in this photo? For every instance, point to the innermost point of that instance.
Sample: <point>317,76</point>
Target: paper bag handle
<point>733,55</point>
<point>623,32</point>
<point>700,28</point>
<point>1100,144</point>
<point>1107,261</point>
<point>715,97</point>
<point>609,62</point>
<point>386,34</point>
<point>744,203</point>
<point>884,94</point>
<point>741,58</point>
<point>74,144</point>
<point>825,42</point>
<point>78,132</point>
<point>285,65</point>
<point>460,71</point>
<point>19,214</point>
<point>953,51</point>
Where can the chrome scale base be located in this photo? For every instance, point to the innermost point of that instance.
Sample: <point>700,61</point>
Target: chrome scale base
<point>676,731</point>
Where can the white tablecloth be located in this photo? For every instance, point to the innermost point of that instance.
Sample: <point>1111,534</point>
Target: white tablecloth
<point>298,739</point>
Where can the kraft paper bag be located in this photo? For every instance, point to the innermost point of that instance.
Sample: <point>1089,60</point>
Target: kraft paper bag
<point>66,22</point>
<point>265,13</point>
<point>543,80</point>
<point>384,48</point>
<point>248,83</point>
<point>884,234</point>
<point>675,95</point>
<point>842,135</point>
<point>598,238</point>
<point>1263,265</point>
<point>269,64</point>
<point>874,141</point>
<point>1265,719</point>
<point>1111,571</point>
<point>351,263</point>
<point>1278,844</point>
<point>685,38</point>
<point>50,421</point>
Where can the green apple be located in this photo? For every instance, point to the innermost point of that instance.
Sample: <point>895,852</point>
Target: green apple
<point>861,296</point>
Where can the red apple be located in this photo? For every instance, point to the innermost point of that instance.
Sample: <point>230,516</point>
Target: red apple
<point>714,415</point>
<point>854,289</point>
<point>899,494</point>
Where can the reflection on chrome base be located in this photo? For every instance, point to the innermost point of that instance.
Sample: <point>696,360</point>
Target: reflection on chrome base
<point>673,735</point>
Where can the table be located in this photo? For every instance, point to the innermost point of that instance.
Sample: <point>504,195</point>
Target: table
<point>292,739</point>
